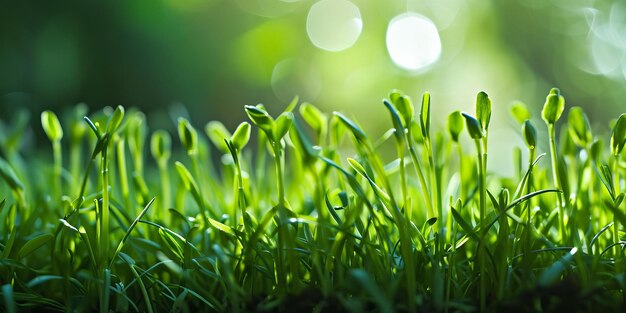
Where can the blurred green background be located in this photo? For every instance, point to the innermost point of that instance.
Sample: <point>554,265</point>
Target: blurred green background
<point>208,58</point>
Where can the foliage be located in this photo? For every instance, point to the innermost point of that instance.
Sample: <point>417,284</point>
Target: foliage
<point>303,224</point>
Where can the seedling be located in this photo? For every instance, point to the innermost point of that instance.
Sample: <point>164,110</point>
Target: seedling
<point>52,127</point>
<point>552,110</point>
<point>308,221</point>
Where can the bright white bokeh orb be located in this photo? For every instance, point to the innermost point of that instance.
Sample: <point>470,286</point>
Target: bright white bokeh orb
<point>334,25</point>
<point>413,42</point>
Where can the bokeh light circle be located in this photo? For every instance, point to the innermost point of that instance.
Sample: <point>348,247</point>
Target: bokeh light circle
<point>413,41</point>
<point>334,25</point>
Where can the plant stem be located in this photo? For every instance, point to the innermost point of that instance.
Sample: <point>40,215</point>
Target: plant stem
<point>557,181</point>
<point>529,188</point>
<point>279,174</point>
<point>58,168</point>
<point>420,174</point>
<point>75,156</point>
<point>459,150</point>
<point>616,191</point>
<point>434,185</point>
<point>166,197</point>
<point>195,164</point>
<point>240,197</point>
<point>482,208</point>
<point>404,226</point>
<point>282,216</point>
<point>104,210</point>
<point>121,164</point>
<point>405,193</point>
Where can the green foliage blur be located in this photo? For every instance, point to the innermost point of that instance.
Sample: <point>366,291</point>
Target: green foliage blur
<point>211,57</point>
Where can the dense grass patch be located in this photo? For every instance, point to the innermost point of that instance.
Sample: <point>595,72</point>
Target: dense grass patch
<point>319,217</point>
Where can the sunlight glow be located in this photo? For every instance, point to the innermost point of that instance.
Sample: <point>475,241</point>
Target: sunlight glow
<point>413,42</point>
<point>334,25</point>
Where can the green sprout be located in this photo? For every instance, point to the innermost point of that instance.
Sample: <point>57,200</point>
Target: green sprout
<point>52,127</point>
<point>311,211</point>
<point>552,110</point>
<point>161,149</point>
<point>478,130</point>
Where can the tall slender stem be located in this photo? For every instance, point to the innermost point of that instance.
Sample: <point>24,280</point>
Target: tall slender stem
<point>403,226</point>
<point>123,172</point>
<point>459,150</point>
<point>405,193</point>
<point>557,181</point>
<point>166,194</point>
<point>617,190</point>
<point>58,168</point>
<point>75,158</point>
<point>420,174</point>
<point>529,189</point>
<point>482,194</point>
<point>239,199</point>
<point>282,216</point>
<point>104,217</point>
<point>434,190</point>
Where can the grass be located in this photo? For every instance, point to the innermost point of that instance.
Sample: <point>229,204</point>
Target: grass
<point>320,217</point>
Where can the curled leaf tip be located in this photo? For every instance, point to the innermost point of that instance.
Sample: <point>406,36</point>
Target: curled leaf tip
<point>473,126</point>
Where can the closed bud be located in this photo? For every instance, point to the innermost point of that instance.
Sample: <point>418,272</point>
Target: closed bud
<point>51,125</point>
<point>530,134</point>
<point>241,136</point>
<point>188,136</point>
<point>554,106</point>
<point>483,110</point>
<point>161,145</point>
